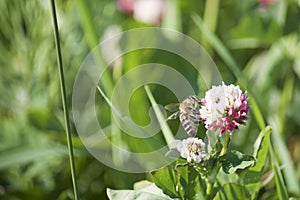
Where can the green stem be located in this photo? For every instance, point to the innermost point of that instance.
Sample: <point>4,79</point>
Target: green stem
<point>212,177</point>
<point>64,101</point>
<point>210,19</point>
<point>226,143</point>
<point>209,190</point>
<point>167,133</point>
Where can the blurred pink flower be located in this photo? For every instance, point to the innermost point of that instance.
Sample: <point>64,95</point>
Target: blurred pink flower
<point>265,3</point>
<point>126,6</point>
<point>147,11</point>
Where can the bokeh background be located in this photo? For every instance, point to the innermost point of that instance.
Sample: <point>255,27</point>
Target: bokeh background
<point>261,36</point>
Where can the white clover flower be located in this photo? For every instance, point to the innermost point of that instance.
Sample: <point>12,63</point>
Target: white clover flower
<point>224,107</point>
<point>193,149</point>
<point>215,104</point>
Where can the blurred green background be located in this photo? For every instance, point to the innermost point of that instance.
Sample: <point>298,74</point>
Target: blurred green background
<point>262,38</point>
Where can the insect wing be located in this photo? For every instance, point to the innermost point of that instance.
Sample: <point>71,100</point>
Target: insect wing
<point>173,116</point>
<point>189,124</point>
<point>172,107</point>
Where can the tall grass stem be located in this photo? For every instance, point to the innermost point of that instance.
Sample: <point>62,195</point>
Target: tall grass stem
<point>210,19</point>
<point>64,100</point>
<point>167,133</point>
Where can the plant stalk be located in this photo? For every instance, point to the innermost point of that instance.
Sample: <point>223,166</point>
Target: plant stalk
<point>216,169</point>
<point>210,19</point>
<point>64,100</point>
<point>209,190</point>
<point>226,143</point>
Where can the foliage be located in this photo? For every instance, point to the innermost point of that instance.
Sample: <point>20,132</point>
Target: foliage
<point>255,46</point>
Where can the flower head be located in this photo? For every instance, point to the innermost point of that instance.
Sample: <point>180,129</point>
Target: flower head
<point>225,108</point>
<point>193,149</point>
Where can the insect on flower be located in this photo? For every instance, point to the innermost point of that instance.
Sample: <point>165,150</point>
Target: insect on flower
<point>188,112</point>
<point>224,107</point>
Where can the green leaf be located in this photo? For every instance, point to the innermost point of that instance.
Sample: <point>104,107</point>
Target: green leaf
<point>231,191</point>
<point>149,192</point>
<point>234,160</point>
<point>224,178</point>
<point>191,182</point>
<point>253,176</point>
<point>166,179</point>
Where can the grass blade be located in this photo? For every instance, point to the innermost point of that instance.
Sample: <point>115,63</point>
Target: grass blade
<point>286,97</point>
<point>210,19</point>
<point>93,42</point>
<point>64,100</point>
<point>288,166</point>
<point>162,121</point>
<point>281,189</point>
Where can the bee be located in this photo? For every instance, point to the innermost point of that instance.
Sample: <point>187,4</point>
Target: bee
<point>188,112</point>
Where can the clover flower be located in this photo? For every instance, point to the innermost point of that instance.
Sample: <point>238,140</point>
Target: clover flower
<point>225,108</point>
<point>193,149</point>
